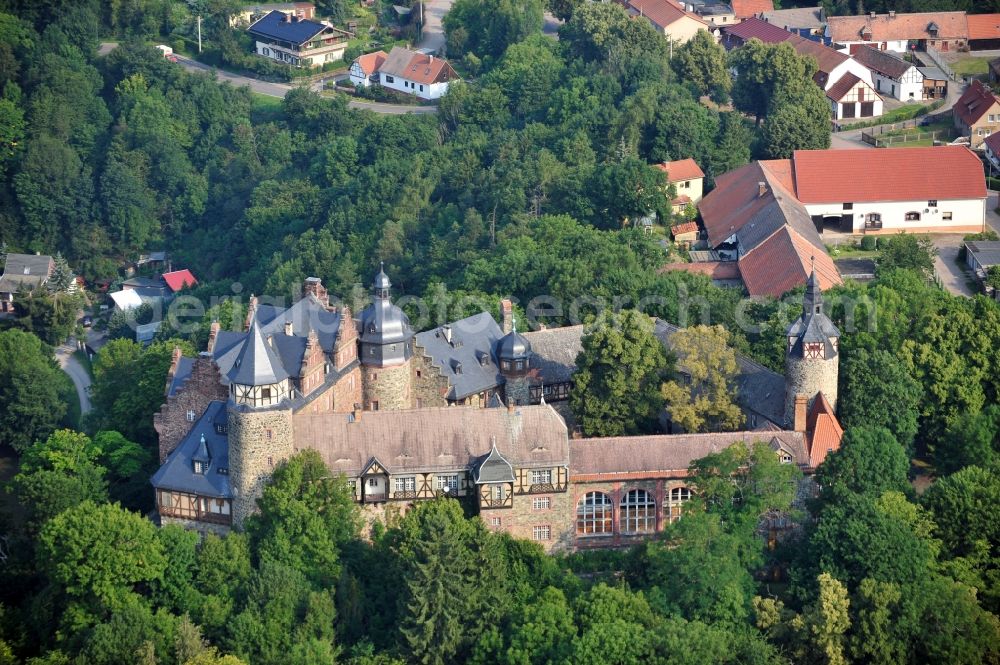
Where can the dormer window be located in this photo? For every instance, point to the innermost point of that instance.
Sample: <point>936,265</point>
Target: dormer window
<point>784,457</point>
<point>199,467</point>
<point>190,416</point>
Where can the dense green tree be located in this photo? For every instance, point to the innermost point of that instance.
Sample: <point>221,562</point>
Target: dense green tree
<point>618,376</point>
<point>29,390</point>
<point>486,28</point>
<point>878,391</point>
<point>704,399</point>
<point>906,250</point>
<point>701,62</point>
<point>965,505</point>
<point>973,439</point>
<point>869,462</point>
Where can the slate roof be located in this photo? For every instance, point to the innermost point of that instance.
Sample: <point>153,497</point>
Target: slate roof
<point>417,67</point>
<point>665,454</point>
<point>177,473</point>
<point>468,361</point>
<point>681,169</point>
<point>305,315</point>
<point>795,17</point>
<point>494,468</point>
<point>983,26</point>
<point>886,28</point>
<point>25,270</point>
<point>258,362</point>
<point>181,374</point>
<point>900,174</point>
<point>885,63</point>
<point>435,439</point>
<point>555,351</point>
<point>274,25</point>
<point>977,101</point>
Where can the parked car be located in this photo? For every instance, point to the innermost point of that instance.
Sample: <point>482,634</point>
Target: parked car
<point>87,321</point>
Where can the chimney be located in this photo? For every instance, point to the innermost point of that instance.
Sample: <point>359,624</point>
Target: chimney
<point>873,14</point>
<point>510,405</point>
<point>506,315</point>
<point>175,359</point>
<point>289,328</point>
<point>356,414</point>
<point>799,423</point>
<point>314,287</point>
<point>761,188</point>
<point>251,310</point>
<point>213,332</point>
<point>892,13</point>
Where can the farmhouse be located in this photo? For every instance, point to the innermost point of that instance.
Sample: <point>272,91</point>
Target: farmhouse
<point>297,41</point>
<point>418,74</point>
<point>977,113</point>
<point>944,31</point>
<point>893,75</point>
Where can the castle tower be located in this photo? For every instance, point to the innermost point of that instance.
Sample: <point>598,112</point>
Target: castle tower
<point>260,420</point>
<point>385,338</point>
<point>811,358</point>
<point>514,354</point>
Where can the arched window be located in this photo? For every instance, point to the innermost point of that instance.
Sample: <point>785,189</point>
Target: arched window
<point>593,514</point>
<point>638,512</point>
<point>676,499</point>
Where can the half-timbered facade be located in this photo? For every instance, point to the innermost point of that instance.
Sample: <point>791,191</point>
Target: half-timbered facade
<point>852,97</point>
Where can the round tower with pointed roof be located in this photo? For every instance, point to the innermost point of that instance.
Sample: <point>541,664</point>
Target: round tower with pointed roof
<point>514,355</point>
<point>259,420</point>
<point>385,338</point>
<point>812,357</point>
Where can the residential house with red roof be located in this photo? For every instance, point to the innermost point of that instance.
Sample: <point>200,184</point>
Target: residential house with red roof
<point>179,279</point>
<point>893,75</point>
<point>991,150</point>
<point>668,17</point>
<point>744,9</point>
<point>944,31</point>
<point>687,178</point>
<point>977,113</point>
<point>419,74</point>
<point>364,69</point>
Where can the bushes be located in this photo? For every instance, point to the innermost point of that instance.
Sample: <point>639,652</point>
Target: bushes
<point>868,243</point>
<point>973,237</point>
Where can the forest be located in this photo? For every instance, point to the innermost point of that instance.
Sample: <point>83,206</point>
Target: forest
<point>524,183</point>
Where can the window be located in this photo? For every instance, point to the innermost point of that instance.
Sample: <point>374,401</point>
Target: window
<point>419,374</point>
<point>265,393</point>
<point>946,216</point>
<point>784,457</point>
<point>405,484</point>
<point>190,416</point>
<point>638,512</point>
<point>270,434</point>
<point>447,483</point>
<point>498,492</point>
<point>848,206</point>
<point>541,532</point>
<point>541,503</point>
<point>813,350</point>
<point>389,79</point>
<point>495,521</point>
<point>222,471</point>
<point>594,514</point>
<point>374,405</point>
<point>421,88</point>
<point>270,461</point>
<point>676,499</point>
<point>199,467</point>
<point>373,482</point>
<point>541,477</point>
<point>992,117</point>
<point>932,203</point>
<point>913,216</point>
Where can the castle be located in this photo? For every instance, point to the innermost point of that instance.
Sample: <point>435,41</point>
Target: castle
<point>469,409</point>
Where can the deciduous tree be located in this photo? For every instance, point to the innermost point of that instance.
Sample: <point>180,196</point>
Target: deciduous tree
<point>704,399</point>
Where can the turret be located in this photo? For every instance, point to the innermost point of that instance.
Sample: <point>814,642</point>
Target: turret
<point>514,355</point>
<point>811,357</point>
<point>385,349</point>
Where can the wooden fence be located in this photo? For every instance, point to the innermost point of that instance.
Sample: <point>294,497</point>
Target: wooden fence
<point>909,137</point>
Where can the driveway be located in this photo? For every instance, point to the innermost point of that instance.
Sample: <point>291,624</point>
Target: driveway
<point>954,277</point>
<point>433,33</point>
<point>77,372</point>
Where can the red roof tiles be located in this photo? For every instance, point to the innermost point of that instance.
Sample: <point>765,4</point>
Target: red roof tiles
<point>984,26</point>
<point>721,270</point>
<point>756,28</point>
<point>823,431</point>
<point>179,279</point>
<point>840,89</point>
<point>975,102</point>
<point>748,8</point>
<point>783,262</point>
<point>662,13</point>
<point>899,174</point>
<point>681,169</point>
<point>370,62</point>
<point>888,28</point>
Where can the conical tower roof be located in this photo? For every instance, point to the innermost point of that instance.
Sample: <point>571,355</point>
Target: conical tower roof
<point>257,363</point>
<point>814,325</point>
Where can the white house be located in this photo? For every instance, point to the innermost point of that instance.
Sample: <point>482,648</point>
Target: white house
<point>419,74</point>
<point>297,41</point>
<point>365,68</point>
<point>893,75</point>
<point>912,190</point>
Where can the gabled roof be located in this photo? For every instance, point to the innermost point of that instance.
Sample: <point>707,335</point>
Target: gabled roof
<point>827,59</point>
<point>796,17</point>
<point>417,67</point>
<point>425,440</point>
<point>984,26</point>
<point>681,169</point>
<point>748,8</point>
<point>887,28</point>
<point>993,142</point>
<point>823,430</point>
<point>784,261</point>
<point>840,89</point>
<point>975,102</point>
<point>181,374</point>
<point>467,361</point>
<point>276,25</point>
<point>883,62</point>
<point>25,271</point>
<point>257,363</point>
<point>756,28</point>
<point>179,279</point>
<point>126,300</point>
<point>370,62</point>
<point>177,473</point>
<point>305,315</point>
<point>661,13</point>
<point>737,198</point>
<point>900,174</point>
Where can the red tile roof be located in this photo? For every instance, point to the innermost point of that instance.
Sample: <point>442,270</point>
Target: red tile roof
<point>975,102</point>
<point>984,26</point>
<point>826,58</point>
<point>748,8</point>
<point>736,197</point>
<point>722,270</point>
<point>840,89</point>
<point>681,169</point>
<point>886,28</point>
<point>370,62</point>
<point>899,174</point>
<point>178,279</point>
<point>417,67</point>
<point>823,431</point>
<point>690,227</point>
<point>760,29</point>
<point>784,261</point>
<point>661,13</point>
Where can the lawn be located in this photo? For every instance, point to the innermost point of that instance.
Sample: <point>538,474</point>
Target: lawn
<point>926,143</point>
<point>266,103</point>
<point>971,66</point>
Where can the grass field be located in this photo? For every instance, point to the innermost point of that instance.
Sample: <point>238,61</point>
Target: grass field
<point>265,103</point>
<point>971,66</point>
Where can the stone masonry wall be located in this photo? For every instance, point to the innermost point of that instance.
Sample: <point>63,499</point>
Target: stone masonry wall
<point>258,441</point>
<point>659,488</point>
<point>429,386</point>
<point>171,423</point>
<point>202,528</point>
<point>516,389</point>
<point>809,377</point>
<point>520,520</point>
<point>389,386</point>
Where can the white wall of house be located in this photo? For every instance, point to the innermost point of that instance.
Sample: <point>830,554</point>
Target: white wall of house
<point>841,107</point>
<point>316,57</point>
<point>693,188</point>
<point>358,76</point>
<point>909,87</point>
<point>947,216</point>
<point>851,66</point>
<point>899,46</point>
<point>421,90</point>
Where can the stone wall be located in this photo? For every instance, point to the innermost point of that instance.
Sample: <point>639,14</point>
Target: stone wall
<point>516,389</point>
<point>616,489</point>
<point>202,528</point>
<point>430,387</point>
<point>258,441</point>
<point>389,386</point>
<point>171,423</point>
<point>809,377</point>
<point>520,520</point>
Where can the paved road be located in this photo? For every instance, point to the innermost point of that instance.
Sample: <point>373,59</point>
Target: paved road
<point>433,37</point>
<point>77,372</point>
